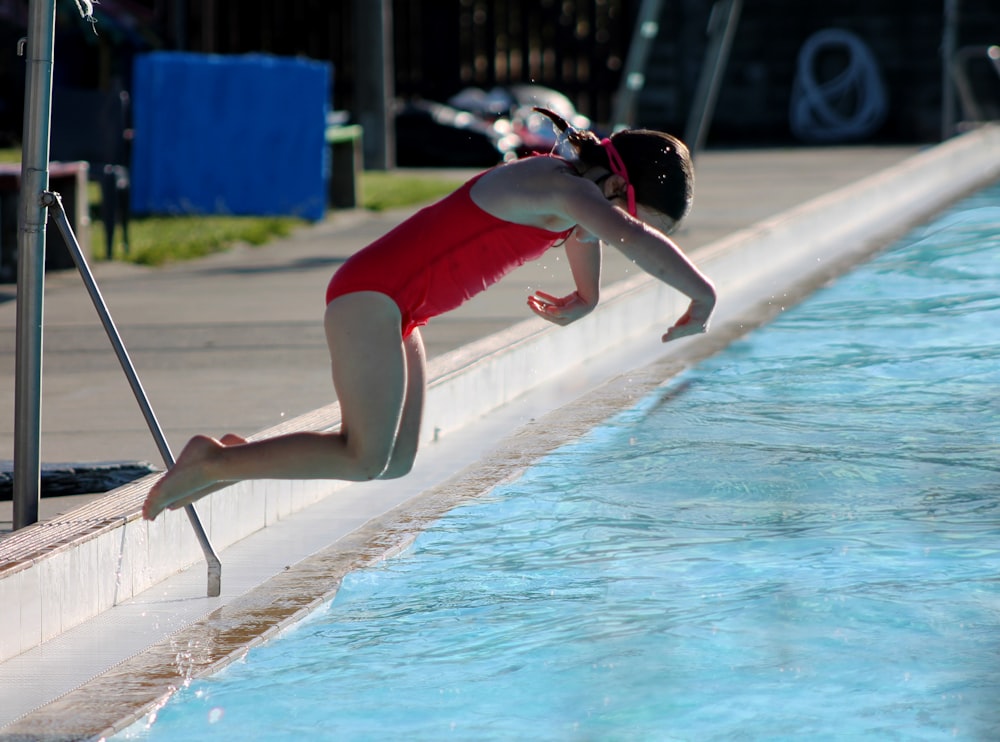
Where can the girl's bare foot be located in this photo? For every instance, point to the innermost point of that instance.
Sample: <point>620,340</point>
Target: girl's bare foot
<point>230,439</point>
<point>186,478</point>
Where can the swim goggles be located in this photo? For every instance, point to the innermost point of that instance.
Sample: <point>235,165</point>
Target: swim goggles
<point>618,168</point>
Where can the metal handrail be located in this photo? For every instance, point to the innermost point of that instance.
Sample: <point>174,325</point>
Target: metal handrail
<point>34,204</point>
<point>722,24</point>
<point>960,77</point>
<point>647,26</point>
<point>53,202</point>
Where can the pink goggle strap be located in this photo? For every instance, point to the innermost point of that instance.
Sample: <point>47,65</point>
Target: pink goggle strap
<point>618,168</point>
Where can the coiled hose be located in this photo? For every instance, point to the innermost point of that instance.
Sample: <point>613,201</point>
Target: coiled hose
<point>849,106</point>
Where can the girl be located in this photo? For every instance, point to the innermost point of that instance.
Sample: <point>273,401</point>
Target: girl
<point>628,191</point>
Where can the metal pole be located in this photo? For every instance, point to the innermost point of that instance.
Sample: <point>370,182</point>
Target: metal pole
<point>373,81</point>
<point>971,112</point>
<point>31,261</point>
<point>710,80</point>
<point>54,202</point>
<point>647,27</point>
<point>33,204</point>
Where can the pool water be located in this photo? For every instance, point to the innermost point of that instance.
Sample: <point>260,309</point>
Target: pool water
<point>799,538</point>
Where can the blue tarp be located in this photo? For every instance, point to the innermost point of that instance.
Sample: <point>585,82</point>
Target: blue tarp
<point>229,134</point>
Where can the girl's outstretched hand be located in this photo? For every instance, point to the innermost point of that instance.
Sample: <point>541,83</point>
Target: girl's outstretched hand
<point>560,310</point>
<point>694,322</point>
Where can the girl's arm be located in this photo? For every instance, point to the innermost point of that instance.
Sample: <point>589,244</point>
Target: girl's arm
<point>662,259</point>
<point>647,247</point>
<point>584,256</point>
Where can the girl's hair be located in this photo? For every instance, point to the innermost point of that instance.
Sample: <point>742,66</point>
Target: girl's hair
<point>659,165</point>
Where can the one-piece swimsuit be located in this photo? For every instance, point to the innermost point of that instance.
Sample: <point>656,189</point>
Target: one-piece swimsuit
<point>440,257</point>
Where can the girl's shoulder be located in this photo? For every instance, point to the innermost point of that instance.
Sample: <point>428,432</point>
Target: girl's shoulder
<point>527,191</point>
<point>544,163</point>
<point>530,177</point>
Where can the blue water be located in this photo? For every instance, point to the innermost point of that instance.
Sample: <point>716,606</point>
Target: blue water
<point>798,539</point>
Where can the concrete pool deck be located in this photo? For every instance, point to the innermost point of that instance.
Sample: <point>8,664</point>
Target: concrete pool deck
<point>765,210</point>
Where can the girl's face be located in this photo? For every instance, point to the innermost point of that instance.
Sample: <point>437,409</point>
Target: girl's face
<point>656,219</point>
<point>615,189</point>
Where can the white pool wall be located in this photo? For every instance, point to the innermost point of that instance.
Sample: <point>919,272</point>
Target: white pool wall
<point>61,573</point>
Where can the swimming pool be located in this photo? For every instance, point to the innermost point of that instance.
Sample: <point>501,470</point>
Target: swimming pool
<point>798,537</point>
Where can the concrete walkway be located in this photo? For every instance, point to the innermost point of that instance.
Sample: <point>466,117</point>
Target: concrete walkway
<point>234,342</point>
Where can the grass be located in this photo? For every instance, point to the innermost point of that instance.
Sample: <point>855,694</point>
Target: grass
<point>156,240</point>
<point>383,190</point>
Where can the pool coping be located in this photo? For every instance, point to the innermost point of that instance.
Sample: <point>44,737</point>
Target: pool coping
<point>763,267</point>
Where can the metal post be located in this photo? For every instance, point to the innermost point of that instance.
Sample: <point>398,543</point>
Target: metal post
<point>31,261</point>
<point>722,29</point>
<point>971,112</point>
<point>54,202</point>
<point>373,81</point>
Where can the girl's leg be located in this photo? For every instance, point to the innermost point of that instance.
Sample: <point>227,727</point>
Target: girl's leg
<point>404,451</point>
<point>369,375</point>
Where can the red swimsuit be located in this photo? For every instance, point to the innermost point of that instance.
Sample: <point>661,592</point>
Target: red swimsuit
<point>440,257</point>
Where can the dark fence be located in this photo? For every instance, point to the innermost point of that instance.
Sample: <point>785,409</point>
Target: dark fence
<point>440,46</point>
<point>578,47</point>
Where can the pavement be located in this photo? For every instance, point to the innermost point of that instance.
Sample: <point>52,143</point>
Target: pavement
<point>234,342</point>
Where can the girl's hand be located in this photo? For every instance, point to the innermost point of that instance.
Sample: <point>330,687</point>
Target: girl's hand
<point>694,322</point>
<point>559,310</point>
